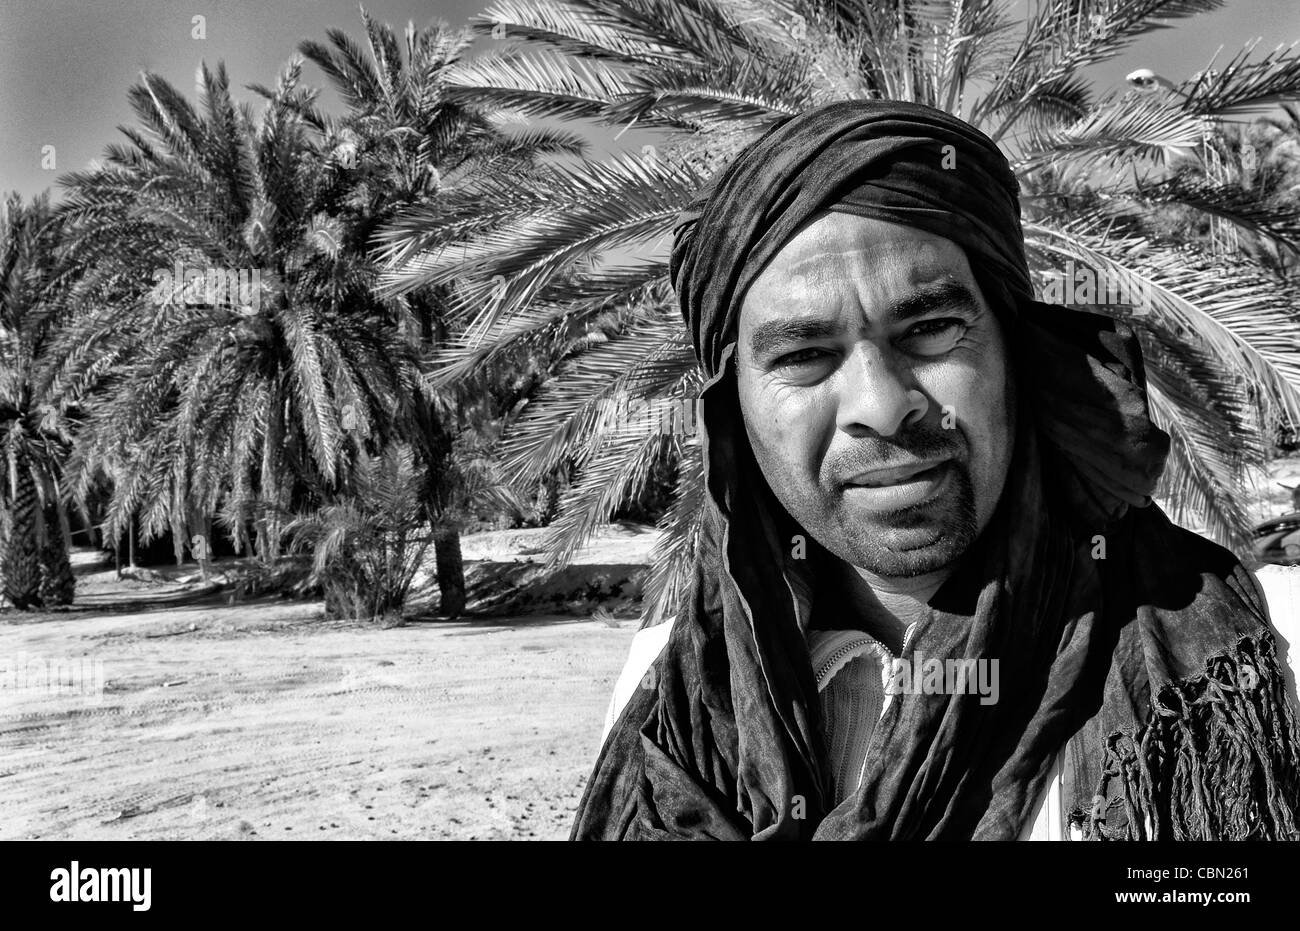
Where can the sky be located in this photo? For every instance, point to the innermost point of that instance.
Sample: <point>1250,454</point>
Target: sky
<point>65,65</point>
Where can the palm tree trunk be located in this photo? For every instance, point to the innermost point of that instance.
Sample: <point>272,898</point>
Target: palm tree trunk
<point>20,563</point>
<point>92,532</point>
<point>451,571</point>
<point>65,524</point>
<point>268,527</point>
<point>58,584</point>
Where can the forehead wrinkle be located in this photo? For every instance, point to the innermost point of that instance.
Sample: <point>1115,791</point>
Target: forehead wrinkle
<point>839,266</point>
<point>798,267</point>
<point>927,259</point>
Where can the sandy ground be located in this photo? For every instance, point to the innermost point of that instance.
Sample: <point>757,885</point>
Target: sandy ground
<point>264,720</point>
<point>613,543</point>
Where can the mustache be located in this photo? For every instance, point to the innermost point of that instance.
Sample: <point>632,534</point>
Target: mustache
<point>919,442</point>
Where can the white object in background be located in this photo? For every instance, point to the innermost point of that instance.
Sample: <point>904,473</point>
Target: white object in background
<point>1281,586</point>
<point>647,644</point>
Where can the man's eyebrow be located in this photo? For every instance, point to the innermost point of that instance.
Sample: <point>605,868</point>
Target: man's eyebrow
<point>929,298</point>
<point>767,336</point>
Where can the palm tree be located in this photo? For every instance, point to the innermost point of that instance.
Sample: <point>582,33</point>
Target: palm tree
<point>405,143</point>
<point>1265,156</point>
<point>34,429</point>
<point>1097,169</point>
<point>222,394</point>
<point>368,545</point>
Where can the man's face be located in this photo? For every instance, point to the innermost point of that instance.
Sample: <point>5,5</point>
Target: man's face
<point>876,393</point>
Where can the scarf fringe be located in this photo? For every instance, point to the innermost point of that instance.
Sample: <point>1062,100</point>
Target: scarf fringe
<point>1217,759</point>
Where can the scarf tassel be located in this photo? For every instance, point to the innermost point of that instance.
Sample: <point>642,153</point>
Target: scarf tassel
<point>1217,759</point>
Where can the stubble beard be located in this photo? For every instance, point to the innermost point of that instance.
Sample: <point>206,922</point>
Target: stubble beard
<point>902,543</point>
<point>907,542</point>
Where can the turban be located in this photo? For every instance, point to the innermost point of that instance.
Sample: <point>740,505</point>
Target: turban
<point>899,162</point>
<point>1130,659</point>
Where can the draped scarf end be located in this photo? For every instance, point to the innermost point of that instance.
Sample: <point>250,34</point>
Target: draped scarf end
<point>1216,758</point>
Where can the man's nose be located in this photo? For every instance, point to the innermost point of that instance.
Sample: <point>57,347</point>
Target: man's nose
<point>878,393</point>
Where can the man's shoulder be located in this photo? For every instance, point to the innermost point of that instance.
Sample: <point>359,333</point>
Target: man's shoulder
<point>1176,566</point>
<point>1272,591</point>
<point>1194,551</point>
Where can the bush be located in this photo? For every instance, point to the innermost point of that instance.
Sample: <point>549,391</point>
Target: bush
<point>368,545</point>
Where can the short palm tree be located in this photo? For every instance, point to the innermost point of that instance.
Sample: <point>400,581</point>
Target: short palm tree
<point>1099,169</point>
<point>34,409</point>
<point>368,545</point>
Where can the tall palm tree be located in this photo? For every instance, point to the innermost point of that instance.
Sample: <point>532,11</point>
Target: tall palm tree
<point>221,395</point>
<point>34,428</point>
<point>1096,167</point>
<point>405,143</point>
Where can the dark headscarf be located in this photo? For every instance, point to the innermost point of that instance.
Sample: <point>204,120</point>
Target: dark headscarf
<point>1137,659</point>
<point>898,162</point>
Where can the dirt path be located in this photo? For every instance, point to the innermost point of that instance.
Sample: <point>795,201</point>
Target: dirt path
<point>264,720</point>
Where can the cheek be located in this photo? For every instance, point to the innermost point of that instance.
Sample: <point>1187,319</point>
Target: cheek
<point>785,426</point>
<point>976,393</point>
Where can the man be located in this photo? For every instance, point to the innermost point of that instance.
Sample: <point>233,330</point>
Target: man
<point>914,467</point>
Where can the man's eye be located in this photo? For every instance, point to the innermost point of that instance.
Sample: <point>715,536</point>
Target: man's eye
<point>934,337</point>
<point>801,356</point>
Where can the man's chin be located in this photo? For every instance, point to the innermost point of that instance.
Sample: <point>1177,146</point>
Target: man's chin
<point>910,542</point>
<point>904,553</point>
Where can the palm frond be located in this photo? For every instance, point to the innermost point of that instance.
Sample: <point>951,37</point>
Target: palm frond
<point>674,553</point>
<point>1244,86</point>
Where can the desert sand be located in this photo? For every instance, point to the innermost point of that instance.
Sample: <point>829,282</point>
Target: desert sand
<point>263,720</point>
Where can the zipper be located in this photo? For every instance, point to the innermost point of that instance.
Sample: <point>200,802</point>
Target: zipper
<point>865,640</point>
<point>840,652</point>
<point>907,637</point>
<point>877,730</point>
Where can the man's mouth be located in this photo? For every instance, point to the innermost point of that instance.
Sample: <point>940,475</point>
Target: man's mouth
<point>902,486</point>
